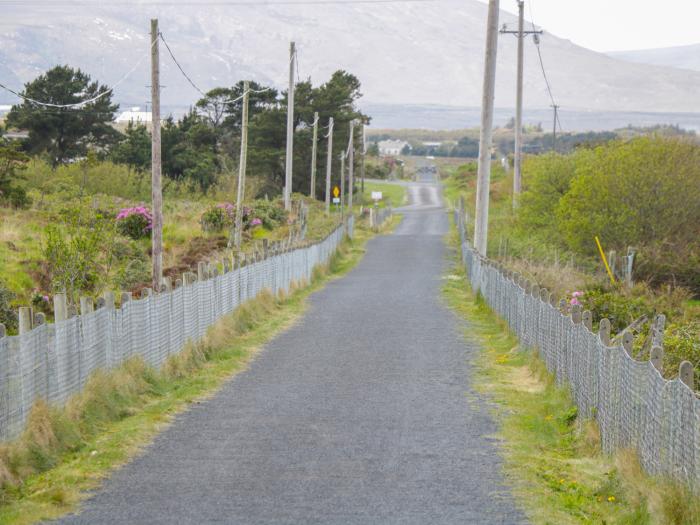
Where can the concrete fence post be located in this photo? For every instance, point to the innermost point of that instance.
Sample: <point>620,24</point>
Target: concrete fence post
<point>25,319</point>
<point>178,283</point>
<point>656,356</point>
<point>72,311</point>
<point>39,319</point>
<point>99,303</point>
<point>60,307</point>
<point>687,374</point>
<point>3,331</point>
<point>167,284</point>
<point>563,306</point>
<point>146,292</point>
<point>604,331</point>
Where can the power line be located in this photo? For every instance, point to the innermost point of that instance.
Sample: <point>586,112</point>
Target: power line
<point>170,52</point>
<point>544,72</point>
<point>78,105</point>
<point>262,3</point>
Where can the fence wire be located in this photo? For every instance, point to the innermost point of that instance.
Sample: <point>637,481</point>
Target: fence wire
<point>636,408</point>
<point>54,361</point>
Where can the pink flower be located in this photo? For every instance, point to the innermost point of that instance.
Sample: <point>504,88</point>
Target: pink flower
<point>45,298</point>
<point>574,302</point>
<point>255,222</point>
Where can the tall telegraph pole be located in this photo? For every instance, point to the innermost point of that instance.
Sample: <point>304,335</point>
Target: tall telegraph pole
<point>240,195</point>
<point>520,34</point>
<point>351,165</point>
<point>156,190</point>
<point>290,132</point>
<point>342,184</point>
<point>486,135</point>
<point>554,130</point>
<point>312,193</point>
<point>362,166</point>
<point>329,165</point>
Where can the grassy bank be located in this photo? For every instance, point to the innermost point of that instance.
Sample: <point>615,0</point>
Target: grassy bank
<point>393,194</point>
<point>552,458</point>
<point>66,452</point>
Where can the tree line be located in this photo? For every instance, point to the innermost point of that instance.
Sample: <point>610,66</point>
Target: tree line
<point>201,146</point>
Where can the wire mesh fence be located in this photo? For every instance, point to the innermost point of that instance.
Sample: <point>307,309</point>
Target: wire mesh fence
<point>377,216</point>
<point>635,406</point>
<point>54,361</point>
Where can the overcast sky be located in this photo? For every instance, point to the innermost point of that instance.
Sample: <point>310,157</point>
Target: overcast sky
<point>613,25</point>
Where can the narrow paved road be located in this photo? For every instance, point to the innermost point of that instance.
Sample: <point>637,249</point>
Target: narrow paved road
<point>361,413</point>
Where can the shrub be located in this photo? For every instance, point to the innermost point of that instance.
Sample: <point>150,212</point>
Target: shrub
<point>8,316</point>
<point>136,222</point>
<point>78,248</point>
<point>681,343</point>
<point>218,217</point>
<point>272,214</point>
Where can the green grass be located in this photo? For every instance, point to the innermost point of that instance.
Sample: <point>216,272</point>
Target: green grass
<point>553,460</point>
<point>66,452</point>
<point>394,193</point>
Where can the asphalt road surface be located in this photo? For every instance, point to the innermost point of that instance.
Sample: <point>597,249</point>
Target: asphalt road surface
<point>361,413</point>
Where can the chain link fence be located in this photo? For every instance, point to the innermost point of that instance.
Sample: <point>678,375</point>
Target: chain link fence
<point>634,405</point>
<point>54,361</point>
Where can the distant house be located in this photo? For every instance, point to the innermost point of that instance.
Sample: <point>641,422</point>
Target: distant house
<point>134,115</point>
<point>392,147</point>
<point>432,144</point>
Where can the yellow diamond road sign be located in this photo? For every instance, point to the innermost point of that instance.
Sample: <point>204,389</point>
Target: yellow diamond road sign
<point>336,191</point>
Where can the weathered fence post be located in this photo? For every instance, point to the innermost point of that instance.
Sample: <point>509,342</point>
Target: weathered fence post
<point>687,374</point>
<point>587,319</point>
<point>656,356</point>
<point>60,307</point>
<point>167,284</point>
<point>628,342</point>
<point>25,319</point>
<point>146,292</point>
<point>604,331</point>
<point>86,305</point>
<point>39,319</point>
<point>576,316</point>
<point>202,271</point>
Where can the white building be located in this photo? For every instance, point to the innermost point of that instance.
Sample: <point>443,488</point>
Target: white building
<point>392,147</point>
<point>134,115</point>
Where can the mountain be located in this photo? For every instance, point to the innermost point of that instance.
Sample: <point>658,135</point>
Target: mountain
<point>404,53</point>
<point>683,57</point>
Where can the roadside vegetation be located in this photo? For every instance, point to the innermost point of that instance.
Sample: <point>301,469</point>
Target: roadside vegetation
<point>67,451</point>
<point>393,195</point>
<point>553,459</point>
<point>642,193</point>
<point>75,193</point>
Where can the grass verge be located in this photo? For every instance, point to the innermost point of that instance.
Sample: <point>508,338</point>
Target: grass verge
<point>395,194</point>
<point>68,451</point>
<point>552,458</point>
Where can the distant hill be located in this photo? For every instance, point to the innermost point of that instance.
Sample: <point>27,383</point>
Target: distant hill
<point>683,57</point>
<point>404,53</point>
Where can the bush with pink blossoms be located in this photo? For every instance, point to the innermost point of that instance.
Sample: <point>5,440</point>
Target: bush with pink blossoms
<point>136,222</point>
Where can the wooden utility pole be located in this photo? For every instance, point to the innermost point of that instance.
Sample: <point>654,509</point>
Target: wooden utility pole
<point>240,194</point>
<point>156,190</point>
<point>314,147</point>
<point>342,184</point>
<point>362,165</point>
<point>517,164</point>
<point>351,164</point>
<point>290,131</point>
<point>554,130</point>
<point>486,135</point>
<point>329,165</point>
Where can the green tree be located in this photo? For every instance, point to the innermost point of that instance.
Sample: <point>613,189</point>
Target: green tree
<point>65,133</point>
<point>12,163</point>
<point>134,149</point>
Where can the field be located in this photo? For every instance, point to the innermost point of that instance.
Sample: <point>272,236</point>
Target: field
<point>74,201</point>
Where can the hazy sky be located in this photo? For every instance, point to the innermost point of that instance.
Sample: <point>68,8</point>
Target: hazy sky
<point>613,25</point>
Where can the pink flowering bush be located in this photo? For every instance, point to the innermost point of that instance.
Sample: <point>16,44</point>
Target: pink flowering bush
<point>256,222</point>
<point>136,222</point>
<point>223,216</point>
<point>575,298</point>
